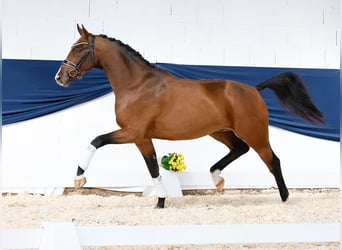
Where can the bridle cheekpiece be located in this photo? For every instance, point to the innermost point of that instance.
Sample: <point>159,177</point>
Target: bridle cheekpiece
<point>76,67</point>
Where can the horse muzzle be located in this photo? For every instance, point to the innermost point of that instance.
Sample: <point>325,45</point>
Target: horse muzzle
<point>62,79</point>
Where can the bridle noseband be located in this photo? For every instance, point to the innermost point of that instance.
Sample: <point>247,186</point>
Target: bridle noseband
<point>76,67</point>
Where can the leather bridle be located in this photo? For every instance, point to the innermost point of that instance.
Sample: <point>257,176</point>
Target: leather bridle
<point>76,72</point>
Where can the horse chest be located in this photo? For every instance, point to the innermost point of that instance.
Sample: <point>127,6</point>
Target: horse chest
<point>133,112</point>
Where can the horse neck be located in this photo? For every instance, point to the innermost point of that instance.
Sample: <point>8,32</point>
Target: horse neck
<point>120,68</point>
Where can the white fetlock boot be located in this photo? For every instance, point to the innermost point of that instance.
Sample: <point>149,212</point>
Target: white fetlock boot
<point>218,180</point>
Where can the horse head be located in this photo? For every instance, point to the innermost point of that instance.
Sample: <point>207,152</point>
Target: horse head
<point>79,60</point>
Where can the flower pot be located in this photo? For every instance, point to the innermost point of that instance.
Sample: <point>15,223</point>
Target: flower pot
<point>171,182</point>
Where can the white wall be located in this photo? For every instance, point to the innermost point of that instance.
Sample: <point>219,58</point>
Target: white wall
<point>44,152</point>
<point>277,33</point>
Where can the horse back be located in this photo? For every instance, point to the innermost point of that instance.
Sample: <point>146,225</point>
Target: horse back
<point>226,97</point>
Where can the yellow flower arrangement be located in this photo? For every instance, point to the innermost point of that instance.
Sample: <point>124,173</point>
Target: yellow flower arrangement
<point>173,162</point>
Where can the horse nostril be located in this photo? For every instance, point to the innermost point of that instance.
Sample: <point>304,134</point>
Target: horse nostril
<point>57,77</point>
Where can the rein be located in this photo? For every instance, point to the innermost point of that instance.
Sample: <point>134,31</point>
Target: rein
<point>76,67</point>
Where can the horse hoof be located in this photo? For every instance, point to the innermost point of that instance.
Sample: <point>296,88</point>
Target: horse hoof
<point>220,185</point>
<point>161,203</point>
<point>285,197</point>
<point>80,181</point>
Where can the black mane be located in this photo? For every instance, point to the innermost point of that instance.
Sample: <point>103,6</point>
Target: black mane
<point>129,49</point>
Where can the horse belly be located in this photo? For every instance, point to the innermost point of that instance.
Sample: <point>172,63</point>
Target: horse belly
<point>188,125</point>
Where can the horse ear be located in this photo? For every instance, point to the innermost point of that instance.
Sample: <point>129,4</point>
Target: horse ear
<point>86,33</point>
<point>82,31</point>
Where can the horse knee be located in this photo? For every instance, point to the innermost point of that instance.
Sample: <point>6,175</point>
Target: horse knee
<point>97,142</point>
<point>102,140</point>
<point>243,148</point>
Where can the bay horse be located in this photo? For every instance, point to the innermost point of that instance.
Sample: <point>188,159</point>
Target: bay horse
<point>146,97</point>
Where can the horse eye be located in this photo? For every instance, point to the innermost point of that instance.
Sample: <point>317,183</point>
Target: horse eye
<point>78,49</point>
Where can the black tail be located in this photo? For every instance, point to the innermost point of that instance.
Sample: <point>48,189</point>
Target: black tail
<point>291,92</point>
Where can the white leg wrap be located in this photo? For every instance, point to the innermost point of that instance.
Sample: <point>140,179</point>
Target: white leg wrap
<point>218,180</point>
<point>84,163</point>
<point>159,187</point>
<point>216,176</point>
<point>79,177</point>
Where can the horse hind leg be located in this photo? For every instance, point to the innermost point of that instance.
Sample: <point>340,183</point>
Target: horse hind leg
<point>260,143</point>
<point>273,164</point>
<point>276,171</point>
<point>237,148</point>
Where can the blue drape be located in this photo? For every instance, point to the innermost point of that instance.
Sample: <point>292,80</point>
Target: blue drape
<point>323,86</point>
<point>29,91</point>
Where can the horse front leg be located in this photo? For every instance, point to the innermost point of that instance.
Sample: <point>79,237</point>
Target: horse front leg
<point>147,150</point>
<point>116,137</point>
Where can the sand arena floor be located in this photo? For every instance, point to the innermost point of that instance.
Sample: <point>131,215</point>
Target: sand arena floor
<point>94,207</point>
